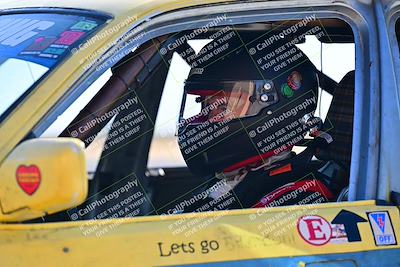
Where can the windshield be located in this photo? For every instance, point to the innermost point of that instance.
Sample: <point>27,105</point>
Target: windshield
<point>31,45</point>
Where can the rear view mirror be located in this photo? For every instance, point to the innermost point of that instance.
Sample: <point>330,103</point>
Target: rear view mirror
<point>42,176</point>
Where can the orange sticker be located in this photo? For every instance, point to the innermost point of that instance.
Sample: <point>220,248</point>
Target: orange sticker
<point>28,178</point>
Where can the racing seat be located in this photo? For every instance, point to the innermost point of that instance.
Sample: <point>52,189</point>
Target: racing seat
<point>339,125</point>
<point>332,167</point>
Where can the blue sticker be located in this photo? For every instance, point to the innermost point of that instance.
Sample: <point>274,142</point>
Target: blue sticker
<point>380,220</point>
<point>382,228</point>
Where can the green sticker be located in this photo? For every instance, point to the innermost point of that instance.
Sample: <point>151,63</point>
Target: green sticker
<point>287,91</point>
<point>84,26</point>
<point>54,51</point>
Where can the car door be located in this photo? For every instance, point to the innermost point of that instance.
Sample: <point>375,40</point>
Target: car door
<point>348,233</point>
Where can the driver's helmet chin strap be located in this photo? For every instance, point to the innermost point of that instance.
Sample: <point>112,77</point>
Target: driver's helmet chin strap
<point>233,178</point>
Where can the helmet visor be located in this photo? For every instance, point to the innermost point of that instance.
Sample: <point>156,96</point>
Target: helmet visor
<point>222,101</point>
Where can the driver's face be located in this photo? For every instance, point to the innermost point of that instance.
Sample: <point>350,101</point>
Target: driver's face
<point>233,105</point>
<point>220,105</point>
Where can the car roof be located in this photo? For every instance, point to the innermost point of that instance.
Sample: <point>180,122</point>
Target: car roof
<point>114,7</point>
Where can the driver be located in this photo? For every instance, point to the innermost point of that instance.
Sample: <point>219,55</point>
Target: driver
<point>238,126</point>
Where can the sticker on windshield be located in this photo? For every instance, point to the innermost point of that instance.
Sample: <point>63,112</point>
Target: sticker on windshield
<point>60,46</point>
<point>53,52</point>
<point>38,46</point>
<point>84,25</point>
<point>382,228</point>
<point>43,38</point>
<point>18,31</point>
<point>69,37</point>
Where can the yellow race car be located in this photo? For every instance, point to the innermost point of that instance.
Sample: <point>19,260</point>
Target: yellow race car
<point>199,133</point>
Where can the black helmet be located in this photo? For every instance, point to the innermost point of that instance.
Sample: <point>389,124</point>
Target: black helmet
<point>245,106</point>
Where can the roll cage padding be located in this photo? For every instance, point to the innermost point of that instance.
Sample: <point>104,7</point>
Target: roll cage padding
<point>129,73</point>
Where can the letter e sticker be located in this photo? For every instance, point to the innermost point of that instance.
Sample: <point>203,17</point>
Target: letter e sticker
<point>315,230</point>
<point>382,228</point>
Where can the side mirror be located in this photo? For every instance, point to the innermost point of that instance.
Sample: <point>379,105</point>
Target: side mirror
<point>42,176</point>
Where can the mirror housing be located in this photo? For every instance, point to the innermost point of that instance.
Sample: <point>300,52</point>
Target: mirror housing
<point>42,176</point>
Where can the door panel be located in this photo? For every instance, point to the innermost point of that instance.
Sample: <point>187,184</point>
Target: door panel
<point>245,237</point>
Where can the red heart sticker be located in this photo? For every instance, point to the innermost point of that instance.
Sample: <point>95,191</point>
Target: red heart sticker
<point>28,178</point>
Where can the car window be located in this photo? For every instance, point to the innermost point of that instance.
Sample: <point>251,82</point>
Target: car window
<point>165,152</point>
<point>32,44</point>
<point>93,151</point>
<point>221,117</point>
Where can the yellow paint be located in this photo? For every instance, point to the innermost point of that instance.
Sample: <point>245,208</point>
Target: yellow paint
<point>55,167</point>
<point>134,241</point>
